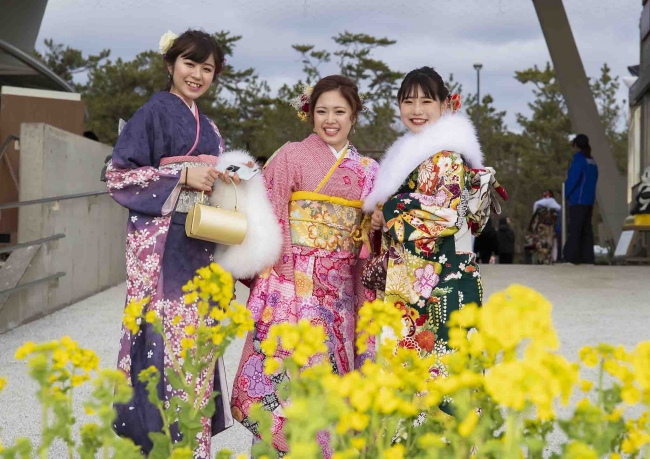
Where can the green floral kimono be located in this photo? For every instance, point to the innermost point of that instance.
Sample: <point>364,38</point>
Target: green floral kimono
<point>427,277</point>
<point>435,194</point>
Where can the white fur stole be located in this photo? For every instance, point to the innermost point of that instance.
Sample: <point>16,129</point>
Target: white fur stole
<point>263,243</point>
<point>450,133</point>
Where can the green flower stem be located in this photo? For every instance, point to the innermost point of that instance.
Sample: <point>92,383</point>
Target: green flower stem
<point>601,374</point>
<point>43,449</point>
<point>161,409</point>
<point>511,442</point>
<point>204,389</point>
<point>175,364</point>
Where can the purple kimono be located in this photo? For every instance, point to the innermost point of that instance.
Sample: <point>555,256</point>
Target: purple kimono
<point>144,177</point>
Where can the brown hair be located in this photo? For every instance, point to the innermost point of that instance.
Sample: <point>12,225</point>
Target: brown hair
<point>197,46</point>
<point>348,89</point>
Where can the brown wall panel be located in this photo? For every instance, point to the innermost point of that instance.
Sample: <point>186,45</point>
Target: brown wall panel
<point>67,115</point>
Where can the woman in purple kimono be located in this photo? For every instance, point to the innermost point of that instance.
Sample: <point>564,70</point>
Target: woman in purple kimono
<point>164,157</point>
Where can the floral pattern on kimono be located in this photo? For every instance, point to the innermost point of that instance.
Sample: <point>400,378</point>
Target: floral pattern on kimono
<point>317,277</point>
<point>541,234</point>
<point>427,279</point>
<point>160,258</point>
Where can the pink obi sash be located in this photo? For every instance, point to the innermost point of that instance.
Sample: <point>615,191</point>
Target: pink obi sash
<point>208,160</point>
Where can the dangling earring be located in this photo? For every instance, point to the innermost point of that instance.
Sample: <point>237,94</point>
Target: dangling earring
<point>354,129</point>
<point>314,129</point>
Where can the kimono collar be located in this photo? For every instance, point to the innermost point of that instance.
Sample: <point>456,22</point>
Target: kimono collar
<point>192,108</point>
<point>337,154</point>
<point>450,133</point>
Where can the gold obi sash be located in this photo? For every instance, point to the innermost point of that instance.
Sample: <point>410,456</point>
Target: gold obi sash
<point>326,222</point>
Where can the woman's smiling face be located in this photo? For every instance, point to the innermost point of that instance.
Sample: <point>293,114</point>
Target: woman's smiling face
<point>192,79</point>
<point>417,110</point>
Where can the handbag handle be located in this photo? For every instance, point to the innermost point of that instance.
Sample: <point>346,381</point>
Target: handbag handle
<point>236,196</point>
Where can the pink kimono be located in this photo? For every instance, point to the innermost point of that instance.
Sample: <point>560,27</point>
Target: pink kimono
<point>317,199</point>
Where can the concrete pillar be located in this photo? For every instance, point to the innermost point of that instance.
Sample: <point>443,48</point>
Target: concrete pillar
<point>583,112</point>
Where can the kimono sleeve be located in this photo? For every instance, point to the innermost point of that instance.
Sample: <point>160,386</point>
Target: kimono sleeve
<point>132,178</point>
<point>430,214</point>
<point>281,181</point>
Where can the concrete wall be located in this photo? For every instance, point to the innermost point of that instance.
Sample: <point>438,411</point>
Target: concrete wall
<point>56,163</point>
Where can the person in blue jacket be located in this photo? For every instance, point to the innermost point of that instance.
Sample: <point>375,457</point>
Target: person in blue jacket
<point>580,189</point>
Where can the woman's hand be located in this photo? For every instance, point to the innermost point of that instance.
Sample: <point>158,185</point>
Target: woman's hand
<point>225,177</point>
<point>377,220</point>
<point>200,178</point>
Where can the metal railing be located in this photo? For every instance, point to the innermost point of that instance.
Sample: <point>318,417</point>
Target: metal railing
<point>13,205</point>
<point>22,245</point>
<point>20,287</point>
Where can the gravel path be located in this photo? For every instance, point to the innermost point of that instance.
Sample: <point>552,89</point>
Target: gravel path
<point>591,305</point>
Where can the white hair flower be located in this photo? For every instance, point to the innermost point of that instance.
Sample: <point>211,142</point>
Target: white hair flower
<point>166,41</point>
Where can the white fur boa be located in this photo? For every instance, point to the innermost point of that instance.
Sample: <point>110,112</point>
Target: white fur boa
<point>263,243</point>
<point>452,133</point>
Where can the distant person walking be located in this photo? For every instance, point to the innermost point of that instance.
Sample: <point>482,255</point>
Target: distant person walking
<point>580,189</point>
<point>506,240</point>
<point>541,237</point>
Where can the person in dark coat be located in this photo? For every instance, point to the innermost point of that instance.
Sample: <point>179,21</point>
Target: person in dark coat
<point>506,241</point>
<point>580,189</point>
<point>486,244</point>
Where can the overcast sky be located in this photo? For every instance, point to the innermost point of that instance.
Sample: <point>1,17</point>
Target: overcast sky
<point>504,35</point>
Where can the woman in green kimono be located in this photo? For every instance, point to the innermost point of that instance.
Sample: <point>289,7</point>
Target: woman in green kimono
<point>431,194</point>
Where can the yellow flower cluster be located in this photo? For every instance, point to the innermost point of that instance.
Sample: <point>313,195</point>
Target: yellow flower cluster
<point>133,313</point>
<point>211,283</point>
<point>211,291</point>
<point>518,317</point>
<point>631,369</point>
<point>388,387</point>
<point>64,353</point>
<point>302,340</point>
<point>637,435</point>
<point>3,382</point>
<point>372,318</point>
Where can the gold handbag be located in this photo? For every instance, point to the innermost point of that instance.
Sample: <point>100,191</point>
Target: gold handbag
<point>215,224</point>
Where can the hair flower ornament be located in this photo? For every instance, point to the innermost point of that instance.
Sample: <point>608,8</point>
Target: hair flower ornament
<point>166,41</point>
<point>301,102</point>
<point>454,102</point>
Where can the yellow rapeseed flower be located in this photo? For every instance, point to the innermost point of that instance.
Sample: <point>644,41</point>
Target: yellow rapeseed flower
<point>187,343</point>
<point>641,364</point>
<point>615,415</point>
<point>182,453</point>
<point>25,350</point>
<point>586,385</point>
<point>190,330</point>
<point>78,380</point>
<point>271,365</point>
<point>579,450</point>
<point>589,356</point>
<point>635,440</point>
<point>468,425</point>
<point>3,382</point>
<point>218,314</point>
<point>395,452</point>
<point>358,443</point>
<point>176,320</point>
<point>150,317</point>
<point>630,395</point>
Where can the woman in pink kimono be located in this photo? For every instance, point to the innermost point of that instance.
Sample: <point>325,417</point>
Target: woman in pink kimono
<point>316,187</point>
